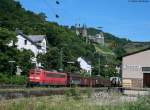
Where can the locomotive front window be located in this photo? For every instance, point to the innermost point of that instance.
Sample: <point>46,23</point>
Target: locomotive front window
<point>32,73</point>
<point>37,73</point>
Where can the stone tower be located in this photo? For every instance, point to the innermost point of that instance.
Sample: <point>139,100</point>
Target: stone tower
<point>102,38</point>
<point>84,31</point>
<point>77,30</point>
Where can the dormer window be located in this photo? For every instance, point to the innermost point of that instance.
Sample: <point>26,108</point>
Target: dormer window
<point>25,42</point>
<point>39,47</point>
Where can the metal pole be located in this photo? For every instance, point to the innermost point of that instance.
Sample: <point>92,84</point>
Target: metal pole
<point>86,39</point>
<point>91,79</point>
<point>11,62</point>
<point>61,60</point>
<point>11,76</point>
<point>99,65</point>
<point>70,62</point>
<point>11,72</point>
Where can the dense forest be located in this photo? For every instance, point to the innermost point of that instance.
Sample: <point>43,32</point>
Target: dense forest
<point>62,41</point>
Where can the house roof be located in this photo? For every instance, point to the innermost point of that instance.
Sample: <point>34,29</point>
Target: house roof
<point>23,35</point>
<point>36,38</point>
<point>137,51</point>
<point>33,40</point>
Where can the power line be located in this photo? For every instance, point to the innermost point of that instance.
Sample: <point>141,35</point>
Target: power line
<point>48,5</point>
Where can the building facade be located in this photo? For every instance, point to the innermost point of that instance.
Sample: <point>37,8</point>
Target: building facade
<point>136,69</point>
<point>98,38</point>
<point>36,43</point>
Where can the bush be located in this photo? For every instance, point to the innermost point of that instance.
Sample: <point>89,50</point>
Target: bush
<point>89,92</point>
<point>143,103</point>
<point>73,92</point>
<point>4,79</point>
<point>18,80</point>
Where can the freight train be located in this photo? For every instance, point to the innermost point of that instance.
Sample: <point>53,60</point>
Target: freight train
<point>42,77</point>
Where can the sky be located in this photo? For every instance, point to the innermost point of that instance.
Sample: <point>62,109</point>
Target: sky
<point>124,18</point>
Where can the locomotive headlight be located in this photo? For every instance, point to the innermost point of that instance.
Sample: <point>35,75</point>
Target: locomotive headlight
<point>37,77</point>
<point>34,77</point>
<point>31,77</point>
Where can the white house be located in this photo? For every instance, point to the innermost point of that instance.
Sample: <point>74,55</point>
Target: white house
<point>84,65</point>
<point>36,43</point>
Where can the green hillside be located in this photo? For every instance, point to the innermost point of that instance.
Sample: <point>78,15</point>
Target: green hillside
<point>136,46</point>
<point>114,44</point>
<point>62,42</point>
<point>120,46</point>
<point>103,50</point>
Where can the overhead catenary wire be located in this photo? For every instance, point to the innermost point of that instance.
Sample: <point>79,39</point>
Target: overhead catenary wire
<point>53,8</point>
<point>57,8</point>
<point>50,8</point>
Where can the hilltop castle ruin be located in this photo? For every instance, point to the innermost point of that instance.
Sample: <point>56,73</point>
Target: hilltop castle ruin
<point>98,38</point>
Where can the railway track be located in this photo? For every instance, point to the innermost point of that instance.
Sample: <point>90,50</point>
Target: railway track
<point>37,92</point>
<point>9,86</point>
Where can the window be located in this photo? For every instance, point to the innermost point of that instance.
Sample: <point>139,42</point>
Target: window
<point>54,75</point>
<point>43,44</point>
<point>39,47</point>
<point>32,73</point>
<point>35,72</point>
<point>25,42</point>
<point>132,67</point>
<point>145,68</point>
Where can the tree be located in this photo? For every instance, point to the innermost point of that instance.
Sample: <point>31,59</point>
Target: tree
<point>6,53</point>
<point>24,60</point>
<point>42,16</point>
<point>6,37</point>
<point>119,51</point>
<point>50,60</point>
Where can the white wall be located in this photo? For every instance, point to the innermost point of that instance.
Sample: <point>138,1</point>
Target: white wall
<point>43,46</point>
<point>132,64</point>
<point>21,45</point>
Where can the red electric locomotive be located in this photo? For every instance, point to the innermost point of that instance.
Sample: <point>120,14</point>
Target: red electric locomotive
<point>42,77</point>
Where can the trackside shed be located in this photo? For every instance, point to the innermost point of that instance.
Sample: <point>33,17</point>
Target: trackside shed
<point>136,69</point>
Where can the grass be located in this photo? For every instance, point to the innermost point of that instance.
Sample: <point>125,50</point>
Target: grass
<point>133,47</point>
<point>18,80</point>
<point>62,102</point>
<point>103,50</point>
